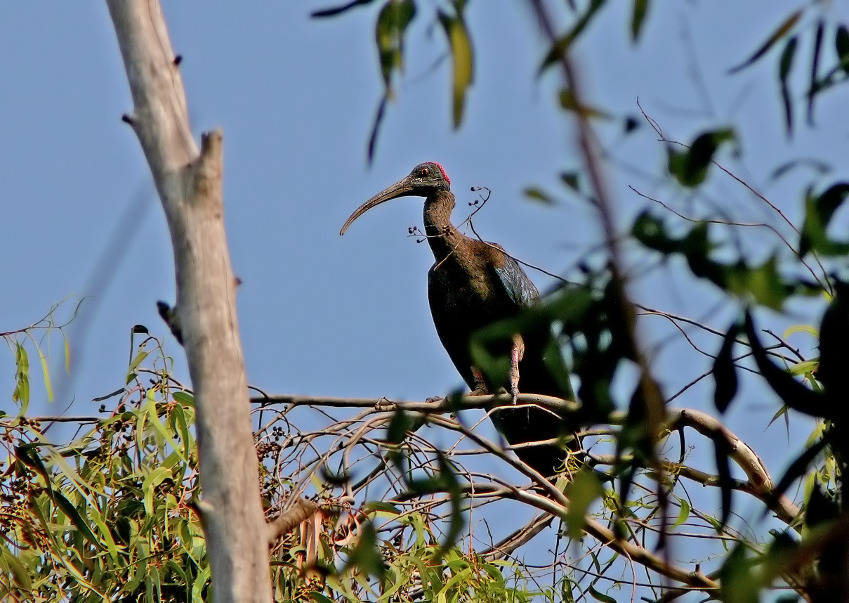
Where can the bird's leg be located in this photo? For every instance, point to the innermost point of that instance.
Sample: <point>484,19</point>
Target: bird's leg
<point>480,383</point>
<point>517,352</point>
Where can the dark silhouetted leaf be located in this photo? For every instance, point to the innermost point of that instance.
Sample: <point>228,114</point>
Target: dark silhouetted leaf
<point>798,467</point>
<point>782,29</point>
<point>690,167</point>
<point>834,338</point>
<point>638,17</point>
<point>630,124</point>
<point>724,371</point>
<point>402,422</point>
<point>818,213</point>
<point>784,66</point>
<point>821,507</point>
<point>815,63</point>
<point>819,167</point>
<point>841,45</point>
<point>375,128</point>
<point>332,12</point>
<point>572,180</point>
<point>792,393</point>
<point>723,470</point>
<point>140,329</point>
<point>462,60</point>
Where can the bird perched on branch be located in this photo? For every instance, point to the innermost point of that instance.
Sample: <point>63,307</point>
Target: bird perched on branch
<point>474,284</point>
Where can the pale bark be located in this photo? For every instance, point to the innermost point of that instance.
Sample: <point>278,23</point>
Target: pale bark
<point>189,185</point>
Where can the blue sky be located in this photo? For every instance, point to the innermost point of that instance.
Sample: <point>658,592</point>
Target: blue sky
<point>295,97</point>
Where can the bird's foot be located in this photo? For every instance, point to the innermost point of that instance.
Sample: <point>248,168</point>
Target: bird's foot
<point>480,384</point>
<point>517,352</point>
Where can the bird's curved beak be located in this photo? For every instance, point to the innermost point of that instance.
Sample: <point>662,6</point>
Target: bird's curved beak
<point>402,188</point>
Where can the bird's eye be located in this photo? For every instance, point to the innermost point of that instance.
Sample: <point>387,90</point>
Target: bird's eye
<point>425,171</point>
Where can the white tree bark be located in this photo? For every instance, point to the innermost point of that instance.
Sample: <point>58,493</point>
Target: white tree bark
<point>189,185</point>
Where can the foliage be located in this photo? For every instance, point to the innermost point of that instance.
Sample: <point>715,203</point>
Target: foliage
<point>391,502</point>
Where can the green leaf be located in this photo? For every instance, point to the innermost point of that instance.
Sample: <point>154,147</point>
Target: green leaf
<point>683,513</point>
<point>537,194</point>
<point>21,392</point>
<point>392,22</point>
<point>818,213</point>
<point>366,555</point>
<point>74,516</point>
<point>184,398</point>
<point>570,103</point>
<point>20,574</point>
<point>461,54</point>
<point>638,17</point>
<point>690,167</point>
<point>779,33</point>
<point>134,364</point>
<point>600,596</point>
<point>737,582</point>
<point>67,356</point>
<point>564,42</point>
<point>582,492</point>
<point>151,480</point>
<point>45,372</point>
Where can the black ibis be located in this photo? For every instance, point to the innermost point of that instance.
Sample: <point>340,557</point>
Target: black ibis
<point>473,284</point>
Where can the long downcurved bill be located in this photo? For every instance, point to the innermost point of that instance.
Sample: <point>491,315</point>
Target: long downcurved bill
<point>402,188</point>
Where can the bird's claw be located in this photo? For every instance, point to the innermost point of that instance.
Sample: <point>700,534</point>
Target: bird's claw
<point>480,384</point>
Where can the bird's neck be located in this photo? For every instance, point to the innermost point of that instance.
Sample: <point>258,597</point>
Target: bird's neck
<point>441,234</point>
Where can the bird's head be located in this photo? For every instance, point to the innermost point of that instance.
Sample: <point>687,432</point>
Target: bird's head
<point>425,179</point>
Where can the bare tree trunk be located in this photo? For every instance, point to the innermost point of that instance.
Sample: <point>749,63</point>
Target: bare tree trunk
<point>189,185</point>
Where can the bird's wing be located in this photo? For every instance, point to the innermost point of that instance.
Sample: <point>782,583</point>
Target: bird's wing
<point>517,284</point>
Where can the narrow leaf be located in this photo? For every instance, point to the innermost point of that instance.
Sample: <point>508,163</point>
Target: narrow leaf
<point>461,54</point>
<point>45,372</point>
<point>21,392</point>
<point>336,10</point>
<point>683,513</point>
<point>724,371</point>
<point>792,393</point>
<point>638,16</point>
<point>815,61</point>
<point>74,516</point>
<point>784,66</point>
<point>782,29</point>
<point>562,45</point>
<point>841,44</point>
<point>723,470</point>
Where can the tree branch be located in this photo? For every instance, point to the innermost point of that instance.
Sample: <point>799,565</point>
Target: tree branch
<point>189,186</point>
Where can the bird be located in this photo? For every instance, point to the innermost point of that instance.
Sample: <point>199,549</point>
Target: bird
<point>473,284</point>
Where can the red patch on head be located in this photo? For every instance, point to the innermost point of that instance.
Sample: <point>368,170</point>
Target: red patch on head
<point>442,169</point>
